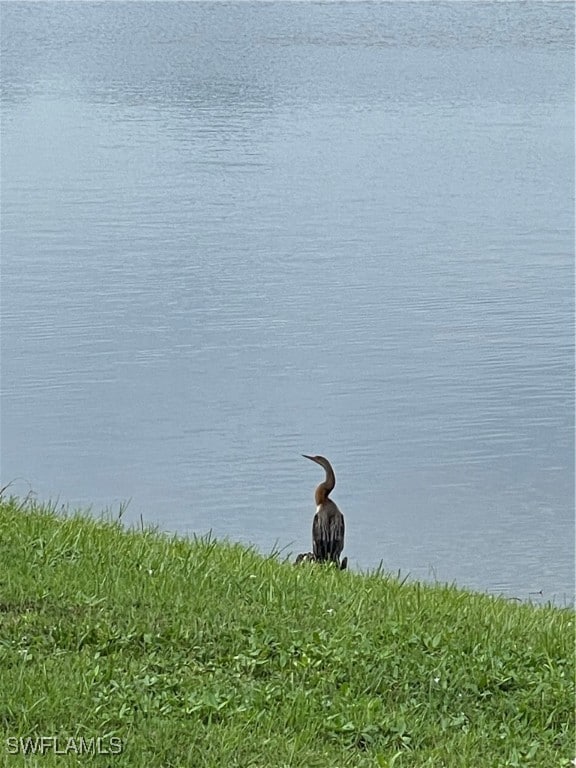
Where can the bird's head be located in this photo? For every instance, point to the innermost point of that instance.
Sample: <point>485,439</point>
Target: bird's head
<point>328,485</point>
<point>319,460</point>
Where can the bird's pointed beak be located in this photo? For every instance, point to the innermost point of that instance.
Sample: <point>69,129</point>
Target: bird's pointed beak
<point>308,457</point>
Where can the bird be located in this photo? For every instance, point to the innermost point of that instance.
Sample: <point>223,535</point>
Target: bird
<point>328,524</point>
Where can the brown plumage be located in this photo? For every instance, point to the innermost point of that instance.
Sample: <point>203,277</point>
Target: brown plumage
<point>328,524</point>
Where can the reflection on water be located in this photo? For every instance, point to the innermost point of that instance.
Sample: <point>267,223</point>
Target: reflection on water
<point>233,234</point>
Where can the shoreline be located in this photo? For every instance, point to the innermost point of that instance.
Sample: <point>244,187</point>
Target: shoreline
<point>200,652</point>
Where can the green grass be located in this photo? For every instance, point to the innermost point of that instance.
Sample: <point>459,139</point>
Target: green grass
<point>201,653</point>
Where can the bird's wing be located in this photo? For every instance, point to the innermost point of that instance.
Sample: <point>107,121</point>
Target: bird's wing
<point>328,535</point>
<point>336,534</point>
<point>320,537</point>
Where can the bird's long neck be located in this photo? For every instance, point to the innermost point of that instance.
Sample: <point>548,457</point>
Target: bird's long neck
<point>324,489</point>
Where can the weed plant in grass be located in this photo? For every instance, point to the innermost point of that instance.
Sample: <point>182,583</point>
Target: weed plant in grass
<point>207,654</point>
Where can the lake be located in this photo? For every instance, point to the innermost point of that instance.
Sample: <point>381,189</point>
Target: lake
<point>234,233</point>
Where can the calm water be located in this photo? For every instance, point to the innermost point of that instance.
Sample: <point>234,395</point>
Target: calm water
<point>235,233</point>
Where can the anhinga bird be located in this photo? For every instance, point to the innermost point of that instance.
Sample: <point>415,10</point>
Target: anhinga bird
<point>328,525</point>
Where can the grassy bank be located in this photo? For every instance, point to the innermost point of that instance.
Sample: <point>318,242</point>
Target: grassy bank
<point>205,654</point>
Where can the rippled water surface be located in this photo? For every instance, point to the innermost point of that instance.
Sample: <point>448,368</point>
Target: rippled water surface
<point>235,233</point>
